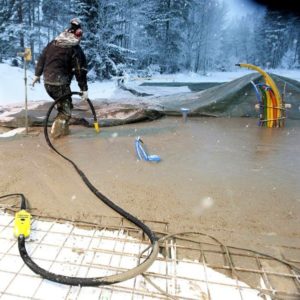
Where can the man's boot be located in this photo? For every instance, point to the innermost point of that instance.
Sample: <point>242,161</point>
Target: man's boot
<point>58,128</point>
<point>66,129</point>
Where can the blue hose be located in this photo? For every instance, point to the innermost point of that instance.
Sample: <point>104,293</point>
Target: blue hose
<point>141,152</point>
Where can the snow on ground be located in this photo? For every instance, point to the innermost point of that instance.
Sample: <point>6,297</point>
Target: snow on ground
<point>12,89</point>
<point>12,132</point>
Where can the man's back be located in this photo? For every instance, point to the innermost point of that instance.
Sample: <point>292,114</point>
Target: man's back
<point>61,59</point>
<point>56,64</point>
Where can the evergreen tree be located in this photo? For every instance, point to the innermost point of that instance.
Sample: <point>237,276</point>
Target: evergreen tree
<point>115,38</point>
<point>104,36</point>
<point>291,58</point>
<point>271,39</point>
<point>88,12</point>
<point>54,20</point>
<point>172,35</point>
<point>19,26</point>
<point>238,42</point>
<point>165,24</point>
<point>6,11</point>
<point>210,16</point>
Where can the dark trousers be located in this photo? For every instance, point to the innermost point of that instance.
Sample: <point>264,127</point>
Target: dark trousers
<point>64,107</point>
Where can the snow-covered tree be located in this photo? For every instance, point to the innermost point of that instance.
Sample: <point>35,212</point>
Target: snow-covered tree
<point>115,28</point>
<point>271,39</point>
<point>210,18</point>
<point>291,58</point>
<point>165,35</point>
<point>105,39</point>
<point>238,41</point>
<point>56,15</point>
<point>164,26</point>
<point>6,11</point>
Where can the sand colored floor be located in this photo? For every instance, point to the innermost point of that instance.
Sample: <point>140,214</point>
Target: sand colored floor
<point>226,177</point>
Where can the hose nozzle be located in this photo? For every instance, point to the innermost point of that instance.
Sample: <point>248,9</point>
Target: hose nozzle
<point>96,126</point>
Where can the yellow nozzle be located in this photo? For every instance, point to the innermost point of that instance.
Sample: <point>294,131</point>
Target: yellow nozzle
<point>96,125</point>
<point>22,223</point>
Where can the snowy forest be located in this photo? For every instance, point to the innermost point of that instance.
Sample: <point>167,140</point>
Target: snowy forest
<point>166,36</point>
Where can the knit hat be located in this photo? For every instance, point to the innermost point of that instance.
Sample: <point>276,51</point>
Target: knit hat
<point>76,28</point>
<point>75,23</point>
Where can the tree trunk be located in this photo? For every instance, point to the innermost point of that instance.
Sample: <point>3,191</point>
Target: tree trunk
<point>20,21</point>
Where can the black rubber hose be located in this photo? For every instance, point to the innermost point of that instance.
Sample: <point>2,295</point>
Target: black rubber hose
<point>95,281</point>
<point>23,200</point>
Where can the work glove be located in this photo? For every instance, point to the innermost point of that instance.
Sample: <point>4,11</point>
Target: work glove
<point>35,80</point>
<point>84,95</point>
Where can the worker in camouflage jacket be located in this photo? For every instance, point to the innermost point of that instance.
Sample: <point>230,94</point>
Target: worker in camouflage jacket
<point>59,62</point>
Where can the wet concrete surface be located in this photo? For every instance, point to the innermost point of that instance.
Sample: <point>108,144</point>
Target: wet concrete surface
<point>227,177</point>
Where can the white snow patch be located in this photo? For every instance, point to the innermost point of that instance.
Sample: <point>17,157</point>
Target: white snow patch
<point>12,132</point>
<point>12,89</point>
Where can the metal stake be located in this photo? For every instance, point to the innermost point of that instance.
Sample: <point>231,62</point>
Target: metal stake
<point>27,57</point>
<point>26,106</point>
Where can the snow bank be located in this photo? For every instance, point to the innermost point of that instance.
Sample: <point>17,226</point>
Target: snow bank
<point>12,88</point>
<point>293,74</point>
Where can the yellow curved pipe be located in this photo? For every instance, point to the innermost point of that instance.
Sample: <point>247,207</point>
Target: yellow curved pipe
<point>270,117</point>
<point>268,79</point>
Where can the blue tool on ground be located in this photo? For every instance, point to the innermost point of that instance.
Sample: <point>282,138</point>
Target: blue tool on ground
<point>142,153</point>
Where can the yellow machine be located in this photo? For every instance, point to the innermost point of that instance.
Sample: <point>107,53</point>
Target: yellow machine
<point>22,223</point>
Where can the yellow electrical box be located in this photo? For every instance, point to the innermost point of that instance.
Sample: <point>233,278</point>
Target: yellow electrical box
<point>22,223</point>
<point>27,54</point>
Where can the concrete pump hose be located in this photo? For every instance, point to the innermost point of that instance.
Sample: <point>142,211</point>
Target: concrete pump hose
<point>92,281</point>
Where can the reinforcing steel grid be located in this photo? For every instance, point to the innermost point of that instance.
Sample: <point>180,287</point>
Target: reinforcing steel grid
<point>190,265</point>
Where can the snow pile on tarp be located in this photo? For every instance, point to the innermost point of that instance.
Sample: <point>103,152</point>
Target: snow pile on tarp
<point>232,99</point>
